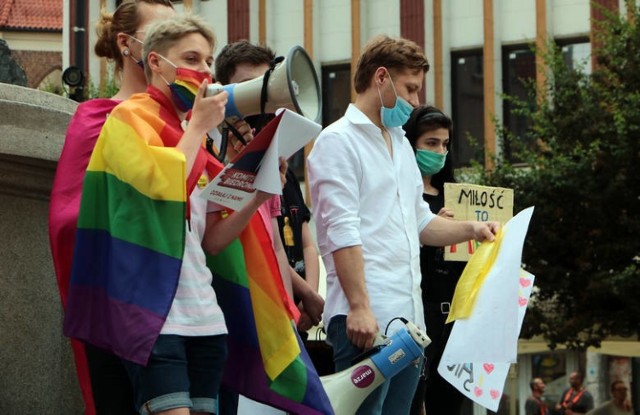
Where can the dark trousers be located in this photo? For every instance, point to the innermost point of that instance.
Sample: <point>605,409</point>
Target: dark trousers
<point>110,384</point>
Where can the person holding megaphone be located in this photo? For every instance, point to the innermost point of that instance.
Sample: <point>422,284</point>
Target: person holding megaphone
<point>140,284</point>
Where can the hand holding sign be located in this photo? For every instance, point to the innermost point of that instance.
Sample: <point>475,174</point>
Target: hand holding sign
<point>474,202</point>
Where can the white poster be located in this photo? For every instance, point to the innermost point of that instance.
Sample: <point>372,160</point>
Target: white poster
<point>493,327</point>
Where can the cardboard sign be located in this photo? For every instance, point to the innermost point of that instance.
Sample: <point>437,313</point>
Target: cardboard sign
<point>475,202</point>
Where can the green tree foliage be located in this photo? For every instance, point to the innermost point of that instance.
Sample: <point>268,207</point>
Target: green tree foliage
<point>583,177</point>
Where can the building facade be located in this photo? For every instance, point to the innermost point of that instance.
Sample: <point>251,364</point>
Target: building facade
<point>33,32</point>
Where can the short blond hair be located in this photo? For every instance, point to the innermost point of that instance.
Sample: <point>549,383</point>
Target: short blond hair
<point>395,54</point>
<point>162,35</point>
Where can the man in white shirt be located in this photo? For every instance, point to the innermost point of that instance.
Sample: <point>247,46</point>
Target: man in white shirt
<point>366,193</point>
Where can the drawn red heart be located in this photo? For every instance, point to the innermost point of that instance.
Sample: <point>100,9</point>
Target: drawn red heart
<point>522,301</point>
<point>477,391</point>
<point>525,282</point>
<point>495,394</point>
<point>488,367</point>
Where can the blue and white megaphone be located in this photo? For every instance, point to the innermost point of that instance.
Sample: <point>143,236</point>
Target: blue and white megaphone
<point>292,83</point>
<point>347,389</point>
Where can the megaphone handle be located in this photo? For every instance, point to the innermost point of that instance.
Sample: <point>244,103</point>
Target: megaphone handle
<point>359,358</point>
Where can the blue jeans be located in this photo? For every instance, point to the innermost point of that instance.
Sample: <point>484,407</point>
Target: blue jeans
<point>394,396</point>
<point>182,372</point>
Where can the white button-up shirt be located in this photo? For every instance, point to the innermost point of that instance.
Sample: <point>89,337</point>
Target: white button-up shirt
<point>362,196</point>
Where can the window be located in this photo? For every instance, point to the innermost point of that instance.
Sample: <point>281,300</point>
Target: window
<point>468,107</point>
<point>518,77</point>
<point>336,92</point>
<point>576,53</point>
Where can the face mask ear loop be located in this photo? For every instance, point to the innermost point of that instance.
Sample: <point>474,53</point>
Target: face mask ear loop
<point>170,63</point>
<point>392,87</point>
<point>380,95</point>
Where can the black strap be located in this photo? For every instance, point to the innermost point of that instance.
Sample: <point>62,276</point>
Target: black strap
<point>264,95</point>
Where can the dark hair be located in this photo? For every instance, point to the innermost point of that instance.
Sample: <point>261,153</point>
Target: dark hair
<point>428,118</point>
<point>125,19</point>
<point>533,382</point>
<point>239,53</point>
<point>614,383</point>
<point>394,54</point>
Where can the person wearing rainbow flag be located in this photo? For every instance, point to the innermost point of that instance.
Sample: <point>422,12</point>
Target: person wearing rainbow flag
<point>103,381</point>
<point>140,286</point>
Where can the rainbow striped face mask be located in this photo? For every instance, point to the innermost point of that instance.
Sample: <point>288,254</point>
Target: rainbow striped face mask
<point>185,86</point>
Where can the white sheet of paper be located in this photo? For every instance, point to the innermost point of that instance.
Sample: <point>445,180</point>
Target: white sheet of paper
<point>483,382</point>
<point>293,133</point>
<point>492,327</point>
<point>479,372</point>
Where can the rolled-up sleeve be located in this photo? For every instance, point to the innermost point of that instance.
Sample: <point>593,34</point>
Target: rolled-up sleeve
<point>335,195</point>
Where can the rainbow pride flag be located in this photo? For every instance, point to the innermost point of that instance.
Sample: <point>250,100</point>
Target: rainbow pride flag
<point>130,234</point>
<point>128,254</point>
<point>267,361</point>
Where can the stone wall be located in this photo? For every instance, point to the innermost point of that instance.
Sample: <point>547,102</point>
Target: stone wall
<point>37,374</point>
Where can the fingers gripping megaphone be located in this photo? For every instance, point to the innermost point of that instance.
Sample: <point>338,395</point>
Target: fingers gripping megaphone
<point>349,388</point>
<point>291,83</point>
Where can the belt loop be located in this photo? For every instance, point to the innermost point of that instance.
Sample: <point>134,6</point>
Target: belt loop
<point>445,307</point>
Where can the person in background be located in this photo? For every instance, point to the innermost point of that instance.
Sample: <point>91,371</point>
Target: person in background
<point>103,381</point>
<point>366,193</point>
<point>534,404</point>
<point>576,399</point>
<point>618,405</point>
<point>239,62</point>
<point>429,133</point>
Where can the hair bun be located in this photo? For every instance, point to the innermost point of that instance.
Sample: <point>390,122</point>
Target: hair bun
<point>105,45</point>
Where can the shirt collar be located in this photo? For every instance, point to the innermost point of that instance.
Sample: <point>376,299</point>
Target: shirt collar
<point>355,116</point>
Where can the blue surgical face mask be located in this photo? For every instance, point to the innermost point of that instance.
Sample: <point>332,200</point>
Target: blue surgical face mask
<point>430,162</point>
<point>399,114</point>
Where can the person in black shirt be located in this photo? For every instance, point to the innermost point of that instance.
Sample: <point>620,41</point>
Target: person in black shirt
<point>429,131</point>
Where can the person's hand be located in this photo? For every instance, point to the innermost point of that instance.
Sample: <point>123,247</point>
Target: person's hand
<point>485,231</point>
<point>446,213</point>
<point>304,323</point>
<point>208,112</point>
<point>362,327</point>
<point>236,146</point>
<point>312,304</point>
<point>283,171</point>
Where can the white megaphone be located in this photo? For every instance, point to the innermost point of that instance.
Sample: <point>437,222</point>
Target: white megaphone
<point>347,389</point>
<point>292,83</point>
